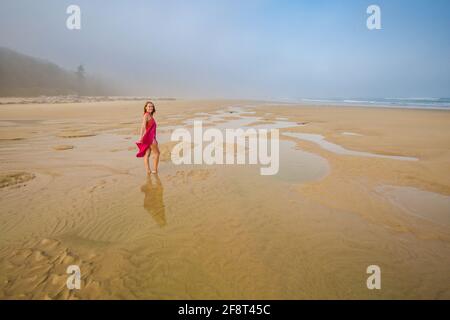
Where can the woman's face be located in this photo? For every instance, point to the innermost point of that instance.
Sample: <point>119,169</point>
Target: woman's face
<point>149,108</point>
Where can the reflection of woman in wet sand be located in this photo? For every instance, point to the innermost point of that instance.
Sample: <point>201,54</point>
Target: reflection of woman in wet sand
<point>148,144</point>
<point>153,201</point>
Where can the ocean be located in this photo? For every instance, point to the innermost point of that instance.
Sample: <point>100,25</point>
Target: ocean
<point>418,103</point>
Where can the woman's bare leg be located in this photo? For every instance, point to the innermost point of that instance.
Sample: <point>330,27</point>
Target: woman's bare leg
<point>146,161</point>
<point>155,151</point>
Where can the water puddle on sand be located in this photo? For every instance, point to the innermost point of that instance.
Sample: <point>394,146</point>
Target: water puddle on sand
<point>427,205</point>
<point>335,148</point>
<point>351,134</point>
<point>296,166</point>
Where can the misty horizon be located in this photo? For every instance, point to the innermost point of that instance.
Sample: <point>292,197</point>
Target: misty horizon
<point>283,50</point>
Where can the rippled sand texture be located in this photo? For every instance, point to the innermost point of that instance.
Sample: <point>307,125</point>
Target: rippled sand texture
<point>72,192</point>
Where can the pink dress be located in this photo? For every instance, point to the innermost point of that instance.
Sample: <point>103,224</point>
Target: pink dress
<point>148,138</point>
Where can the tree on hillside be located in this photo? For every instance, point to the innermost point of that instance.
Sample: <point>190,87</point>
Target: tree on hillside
<point>81,77</point>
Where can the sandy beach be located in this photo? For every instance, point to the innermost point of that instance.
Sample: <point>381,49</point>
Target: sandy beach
<point>357,186</point>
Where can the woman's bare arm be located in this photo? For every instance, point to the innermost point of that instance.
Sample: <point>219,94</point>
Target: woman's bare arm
<point>144,123</point>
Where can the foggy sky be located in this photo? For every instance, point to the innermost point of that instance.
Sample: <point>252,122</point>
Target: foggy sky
<point>243,49</point>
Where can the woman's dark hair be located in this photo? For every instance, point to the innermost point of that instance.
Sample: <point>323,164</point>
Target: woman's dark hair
<point>145,107</point>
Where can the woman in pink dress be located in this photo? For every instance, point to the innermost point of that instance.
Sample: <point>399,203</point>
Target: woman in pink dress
<point>147,144</point>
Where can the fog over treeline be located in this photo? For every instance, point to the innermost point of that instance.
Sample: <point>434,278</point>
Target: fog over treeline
<point>22,75</point>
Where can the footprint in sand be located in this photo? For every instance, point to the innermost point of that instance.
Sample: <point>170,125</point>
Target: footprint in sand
<point>75,134</point>
<point>13,179</point>
<point>63,147</point>
<point>39,271</point>
<point>12,139</point>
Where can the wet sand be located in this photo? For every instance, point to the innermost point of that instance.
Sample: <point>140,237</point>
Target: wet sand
<point>72,192</point>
